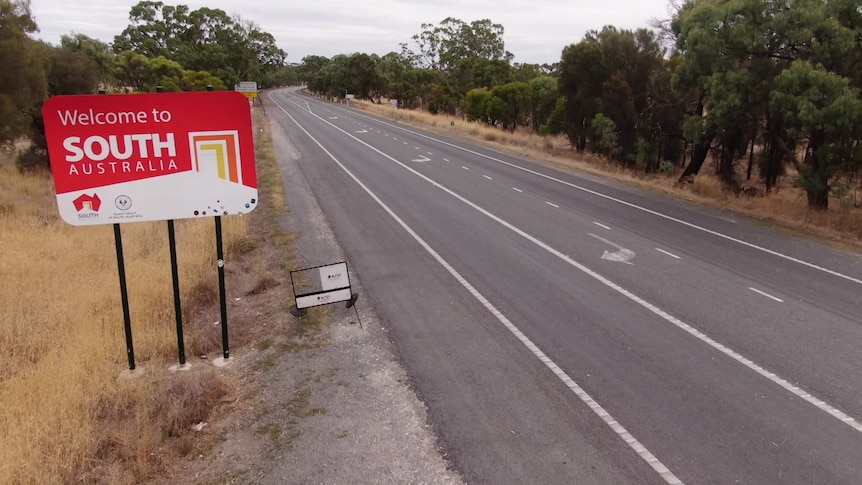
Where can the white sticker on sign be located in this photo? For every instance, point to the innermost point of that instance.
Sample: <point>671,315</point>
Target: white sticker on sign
<point>334,277</point>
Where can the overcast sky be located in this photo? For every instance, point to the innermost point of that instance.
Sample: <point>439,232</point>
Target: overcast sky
<point>535,30</point>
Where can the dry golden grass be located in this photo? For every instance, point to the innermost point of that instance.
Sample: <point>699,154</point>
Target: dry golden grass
<point>64,414</point>
<point>788,208</point>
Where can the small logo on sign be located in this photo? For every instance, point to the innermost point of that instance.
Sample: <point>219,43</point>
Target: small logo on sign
<point>88,206</point>
<point>87,202</point>
<point>123,202</point>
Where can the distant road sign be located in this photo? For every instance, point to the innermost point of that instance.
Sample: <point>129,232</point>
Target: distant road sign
<point>248,88</point>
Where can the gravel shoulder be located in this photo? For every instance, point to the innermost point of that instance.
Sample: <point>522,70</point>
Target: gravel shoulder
<point>333,405</point>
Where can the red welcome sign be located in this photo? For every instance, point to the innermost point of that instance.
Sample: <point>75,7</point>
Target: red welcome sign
<point>143,157</point>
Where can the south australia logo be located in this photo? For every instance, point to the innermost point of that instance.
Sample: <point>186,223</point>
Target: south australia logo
<point>87,206</point>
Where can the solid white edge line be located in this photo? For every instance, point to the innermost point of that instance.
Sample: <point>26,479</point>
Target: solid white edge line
<point>784,383</point>
<point>763,293</point>
<point>667,253</point>
<point>606,417</point>
<point>634,206</point>
<point>602,226</point>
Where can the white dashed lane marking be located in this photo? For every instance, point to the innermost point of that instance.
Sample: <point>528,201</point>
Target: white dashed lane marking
<point>667,253</point>
<point>763,293</point>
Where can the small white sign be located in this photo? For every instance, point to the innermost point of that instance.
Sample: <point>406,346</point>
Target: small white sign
<point>326,298</point>
<point>334,277</point>
<point>246,86</point>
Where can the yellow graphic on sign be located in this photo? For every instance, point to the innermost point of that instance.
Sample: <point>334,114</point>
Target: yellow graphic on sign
<point>217,152</point>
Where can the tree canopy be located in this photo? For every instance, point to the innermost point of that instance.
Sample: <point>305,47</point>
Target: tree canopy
<point>205,39</point>
<point>443,46</point>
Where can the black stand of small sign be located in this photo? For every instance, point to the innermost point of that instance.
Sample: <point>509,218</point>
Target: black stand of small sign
<point>352,303</point>
<point>221,288</point>
<point>298,313</point>
<point>124,296</point>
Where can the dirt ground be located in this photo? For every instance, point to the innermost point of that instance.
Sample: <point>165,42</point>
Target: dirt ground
<point>333,405</point>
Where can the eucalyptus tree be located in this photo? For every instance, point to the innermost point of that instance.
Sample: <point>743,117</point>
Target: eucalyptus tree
<point>71,72</point>
<point>466,56</point>
<point>727,57</point>
<point>399,80</point>
<point>309,72</point>
<point>788,66</point>
<point>442,46</point>
<point>609,73</point>
<point>475,106</point>
<point>544,94</point>
<point>510,104</point>
<point>99,52</point>
<point>205,39</point>
<point>23,82</point>
<point>367,81</point>
<point>132,70</point>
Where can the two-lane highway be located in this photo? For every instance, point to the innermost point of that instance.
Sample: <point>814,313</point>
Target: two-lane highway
<point>565,329</point>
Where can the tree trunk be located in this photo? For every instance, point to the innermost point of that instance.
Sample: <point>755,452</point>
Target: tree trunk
<point>818,199</point>
<point>817,183</point>
<point>732,142</point>
<point>751,153</point>
<point>698,156</point>
<point>700,151</point>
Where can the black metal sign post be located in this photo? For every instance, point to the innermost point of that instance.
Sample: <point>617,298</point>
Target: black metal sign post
<point>222,294</point>
<point>124,293</point>
<point>175,276</point>
<point>124,296</point>
<point>221,289</point>
<point>178,310</point>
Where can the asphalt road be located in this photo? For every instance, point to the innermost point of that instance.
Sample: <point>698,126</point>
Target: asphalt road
<point>566,329</point>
